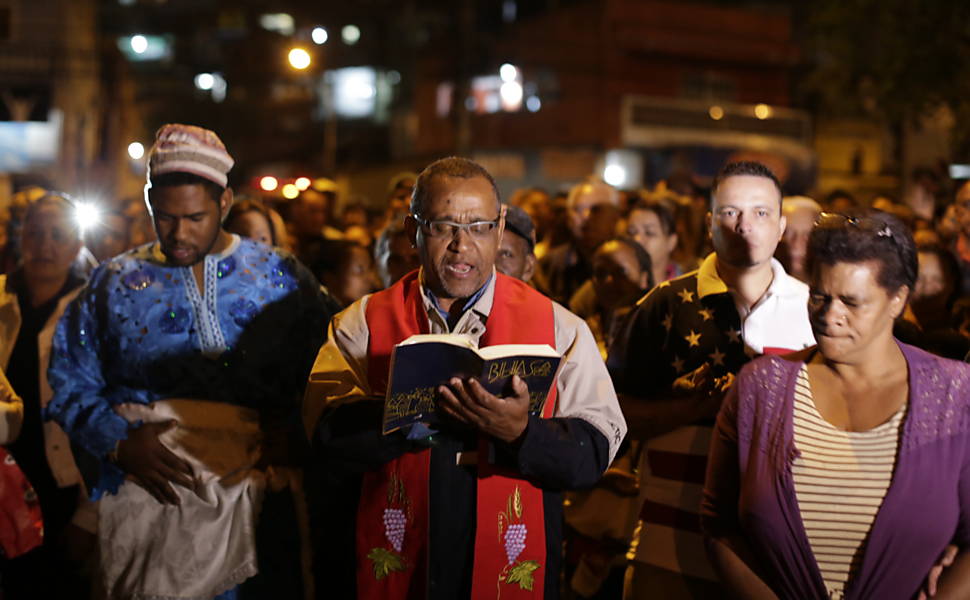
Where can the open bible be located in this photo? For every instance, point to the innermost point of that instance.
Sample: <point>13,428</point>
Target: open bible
<point>421,363</point>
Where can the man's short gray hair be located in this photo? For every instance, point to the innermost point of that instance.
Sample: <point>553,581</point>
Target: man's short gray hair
<point>453,166</point>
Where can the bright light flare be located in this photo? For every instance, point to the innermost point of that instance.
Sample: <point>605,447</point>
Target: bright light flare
<point>302,183</point>
<point>290,191</point>
<point>511,93</point>
<point>508,72</point>
<point>299,58</point>
<point>87,215</point>
<point>268,183</point>
<point>762,111</point>
<point>614,175</point>
<point>139,44</point>
<point>136,150</point>
<point>716,112</point>
<point>319,35</point>
<point>205,81</point>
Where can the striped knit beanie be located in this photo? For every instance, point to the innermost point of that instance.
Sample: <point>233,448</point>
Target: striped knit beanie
<point>189,149</point>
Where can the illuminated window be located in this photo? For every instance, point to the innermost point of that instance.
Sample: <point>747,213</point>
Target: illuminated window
<point>281,23</point>
<point>143,48</point>
<point>354,91</point>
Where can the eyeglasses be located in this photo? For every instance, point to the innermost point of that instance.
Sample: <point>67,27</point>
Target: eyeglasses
<point>868,224</point>
<point>442,229</point>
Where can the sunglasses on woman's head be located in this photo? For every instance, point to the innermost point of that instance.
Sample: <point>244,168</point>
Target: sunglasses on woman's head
<point>836,220</point>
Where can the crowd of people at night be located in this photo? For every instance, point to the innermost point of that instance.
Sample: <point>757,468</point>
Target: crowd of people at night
<point>760,395</point>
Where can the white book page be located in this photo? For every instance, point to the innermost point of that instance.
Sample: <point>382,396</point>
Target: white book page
<point>454,339</point>
<point>502,350</point>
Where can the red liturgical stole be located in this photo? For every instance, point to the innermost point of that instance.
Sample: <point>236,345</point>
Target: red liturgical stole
<point>392,518</point>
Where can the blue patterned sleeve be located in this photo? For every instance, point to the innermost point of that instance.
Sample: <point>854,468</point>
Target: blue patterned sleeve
<point>76,378</point>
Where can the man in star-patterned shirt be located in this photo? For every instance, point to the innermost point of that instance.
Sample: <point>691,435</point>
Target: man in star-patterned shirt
<point>688,338</point>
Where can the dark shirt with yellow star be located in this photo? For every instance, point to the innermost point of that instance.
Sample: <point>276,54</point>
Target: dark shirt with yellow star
<point>673,332</point>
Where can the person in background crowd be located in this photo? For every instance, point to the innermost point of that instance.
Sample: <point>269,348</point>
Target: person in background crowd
<point>394,254</point>
<point>961,242</point>
<point>693,237</point>
<point>281,235</point>
<point>32,298</point>
<point>800,213</point>
<point>601,521</point>
<point>141,230</point>
<point>651,224</point>
<point>179,369</point>
<point>593,210</point>
<point>622,274</point>
<point>359,235</point>
<point>110,236</point>
<point>354,223</point>
<point>515,254</point>
<point>933,304</point>
<point>904,213</point>
<point>928,237</point>
<point>353,214</point>
<point>559,232</point>
<point>687,339</point>
<point>841,202</point>
<point>452,494</point>
<point>538,205</point>
<point>343,267</point>
<point>310,215</point>
<point>250,219</point>
<point>15,220</point>
<point>842,471</point>
<point>398,196</point>
<point>884,203</point>
<point>922,192</point>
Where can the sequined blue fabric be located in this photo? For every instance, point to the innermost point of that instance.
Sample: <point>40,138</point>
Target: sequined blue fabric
<point>144,331</point>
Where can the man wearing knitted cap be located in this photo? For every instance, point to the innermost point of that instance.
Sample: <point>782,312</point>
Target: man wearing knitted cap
<point>177,368</point>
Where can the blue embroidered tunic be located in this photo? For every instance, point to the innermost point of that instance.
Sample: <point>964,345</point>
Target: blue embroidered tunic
<point>142,331</point>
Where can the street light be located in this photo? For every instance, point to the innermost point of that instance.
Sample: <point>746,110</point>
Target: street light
<point>139,44</point>
<point>299,58</point>
<point>614,175</point>
<point>205,81</point>
<point>302,183</point>
<point>508,72</point>
<point>268,183</point>
<point>350,34</point>
<point>319,35</point>
<point>290,191</point>
<point>136,150</point>
<point>511,93</point>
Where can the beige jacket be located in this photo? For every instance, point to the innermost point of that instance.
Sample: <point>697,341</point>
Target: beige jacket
<point>11,412</point>
<point>56,443</point>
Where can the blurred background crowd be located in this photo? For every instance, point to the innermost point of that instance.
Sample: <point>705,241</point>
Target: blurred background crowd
<point>593,247</point>
<point>602,121</point>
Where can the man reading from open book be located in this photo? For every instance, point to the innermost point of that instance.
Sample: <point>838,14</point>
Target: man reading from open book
<point>472,501</point>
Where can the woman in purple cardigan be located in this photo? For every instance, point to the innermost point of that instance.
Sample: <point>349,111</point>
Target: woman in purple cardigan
<point>843,471</point>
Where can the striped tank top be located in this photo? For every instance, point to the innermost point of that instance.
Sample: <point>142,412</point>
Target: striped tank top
<point>841,478</point>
